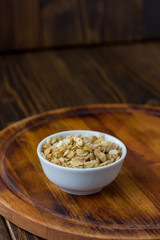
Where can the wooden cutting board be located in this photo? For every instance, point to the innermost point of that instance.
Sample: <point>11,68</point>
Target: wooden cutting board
<point>129,208</point>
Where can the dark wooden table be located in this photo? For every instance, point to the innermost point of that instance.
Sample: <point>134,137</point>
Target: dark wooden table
<point>34,82</point>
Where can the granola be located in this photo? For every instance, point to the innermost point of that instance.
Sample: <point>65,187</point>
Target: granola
<point>77,151</point>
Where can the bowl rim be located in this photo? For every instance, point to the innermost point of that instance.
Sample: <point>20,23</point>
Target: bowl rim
<point>124,151</point>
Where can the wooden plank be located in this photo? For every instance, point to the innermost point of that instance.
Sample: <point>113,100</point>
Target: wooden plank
<point>29,81</point>
<point>150,23</point>
<point>20,234</point>
<point>42,23</point>
<point>61,23</point>
<point>19,24</point>
<point>87,21</point>
<point>4,233</point>
<point>26,24</point>
<point>6,28</point>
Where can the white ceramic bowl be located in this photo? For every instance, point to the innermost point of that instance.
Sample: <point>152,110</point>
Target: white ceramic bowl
<point>81,181</point>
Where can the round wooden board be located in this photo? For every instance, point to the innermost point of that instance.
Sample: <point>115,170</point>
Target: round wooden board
<point>129,208</point>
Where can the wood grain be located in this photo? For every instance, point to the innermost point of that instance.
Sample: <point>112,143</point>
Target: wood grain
<point>20,234</point>
<point>126,209</point>
<point>19,24</point>
<point>56,23</point>
<point>4,234</point>
<point>34,82</point>
<point>87,21</point>
<point>150,21</point>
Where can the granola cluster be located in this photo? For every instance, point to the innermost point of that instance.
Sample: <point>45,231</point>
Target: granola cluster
<point>77,151</point>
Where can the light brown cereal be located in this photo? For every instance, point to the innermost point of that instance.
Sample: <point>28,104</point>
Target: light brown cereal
<point>79,142</point>
<point>70,154</point>
<point>88,149</point>
<point>77,151</point>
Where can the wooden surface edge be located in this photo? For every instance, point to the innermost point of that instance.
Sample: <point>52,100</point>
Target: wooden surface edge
<point>58,111</point>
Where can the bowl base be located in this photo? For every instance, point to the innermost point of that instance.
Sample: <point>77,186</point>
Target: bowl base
<point>81,192</point>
